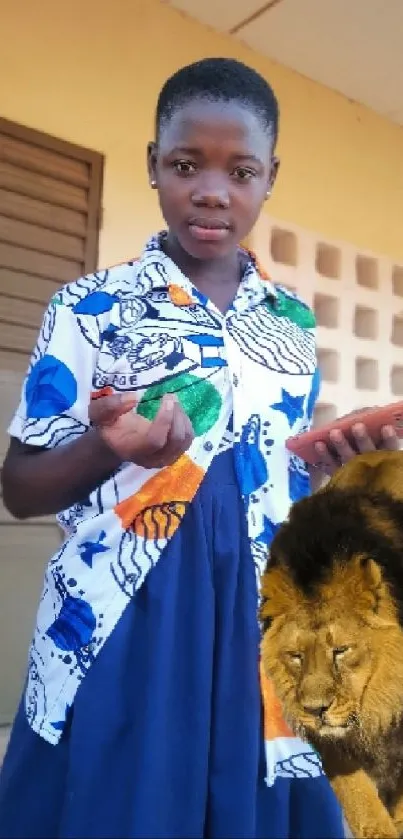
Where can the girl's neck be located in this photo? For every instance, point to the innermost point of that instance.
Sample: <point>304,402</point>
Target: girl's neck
<point>206,274</point>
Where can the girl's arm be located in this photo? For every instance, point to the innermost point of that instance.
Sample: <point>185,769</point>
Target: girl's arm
<point>40,482</point>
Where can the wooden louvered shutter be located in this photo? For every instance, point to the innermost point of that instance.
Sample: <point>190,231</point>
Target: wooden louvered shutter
<point>50,193</point>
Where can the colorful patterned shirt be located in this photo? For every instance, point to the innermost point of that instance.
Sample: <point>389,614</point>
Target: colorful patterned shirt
<point>246,379</point>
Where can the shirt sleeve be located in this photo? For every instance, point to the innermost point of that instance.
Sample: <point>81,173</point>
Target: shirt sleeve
<point>55,396</point>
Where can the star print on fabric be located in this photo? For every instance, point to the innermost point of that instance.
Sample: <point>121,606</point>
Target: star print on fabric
<point>89,549</point>
<point>291,406</point>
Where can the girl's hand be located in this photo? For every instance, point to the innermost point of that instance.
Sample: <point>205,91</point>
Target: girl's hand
<point>329,460</point>
<point>152,445</point>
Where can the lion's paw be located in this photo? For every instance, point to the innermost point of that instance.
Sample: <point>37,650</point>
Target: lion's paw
<point>399,827</point>
<point>380,828</point>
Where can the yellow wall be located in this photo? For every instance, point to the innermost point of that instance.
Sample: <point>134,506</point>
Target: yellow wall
<point>89,71</point>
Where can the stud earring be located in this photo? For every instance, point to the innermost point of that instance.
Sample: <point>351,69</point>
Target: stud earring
<point>153,184</point>
<point>268,194</point>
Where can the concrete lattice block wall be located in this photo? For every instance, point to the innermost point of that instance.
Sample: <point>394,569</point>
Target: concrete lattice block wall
<point>358,301</point>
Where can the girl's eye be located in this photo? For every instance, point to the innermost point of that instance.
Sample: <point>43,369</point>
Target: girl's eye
<point>184,167</point>
<point>243,174</point>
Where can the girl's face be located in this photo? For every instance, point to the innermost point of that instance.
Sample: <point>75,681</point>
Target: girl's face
<point>213,166</point>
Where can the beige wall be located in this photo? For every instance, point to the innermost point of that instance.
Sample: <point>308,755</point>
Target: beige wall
<point>89,71</point>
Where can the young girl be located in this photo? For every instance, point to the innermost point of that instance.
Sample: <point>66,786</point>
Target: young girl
<point>154,416</point>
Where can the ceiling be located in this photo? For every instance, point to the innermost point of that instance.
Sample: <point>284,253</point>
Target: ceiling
<point>352,46</point>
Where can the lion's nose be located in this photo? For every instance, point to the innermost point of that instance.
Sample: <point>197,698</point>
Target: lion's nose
<point>317,709</point>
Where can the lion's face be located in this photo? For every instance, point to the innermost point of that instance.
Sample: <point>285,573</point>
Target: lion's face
<point>335,656</point>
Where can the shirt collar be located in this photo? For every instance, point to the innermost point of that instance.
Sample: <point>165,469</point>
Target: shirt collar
<point>157,272</point>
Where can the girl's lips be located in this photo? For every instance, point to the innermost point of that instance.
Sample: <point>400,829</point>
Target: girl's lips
<point>208,234</point>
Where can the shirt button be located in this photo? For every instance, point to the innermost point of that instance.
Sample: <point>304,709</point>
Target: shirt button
<point>208,447</point>
<point>235,380</point>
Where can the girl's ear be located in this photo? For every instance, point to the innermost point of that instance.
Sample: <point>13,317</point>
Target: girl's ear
<point>152,164</point>
<point>274,167</point>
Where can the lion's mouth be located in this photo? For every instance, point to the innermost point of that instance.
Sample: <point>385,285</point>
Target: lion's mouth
<point>324,728</point>
<point>334,730</point>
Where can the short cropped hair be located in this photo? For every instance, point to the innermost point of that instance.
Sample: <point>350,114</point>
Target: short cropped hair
<point>219,80</point>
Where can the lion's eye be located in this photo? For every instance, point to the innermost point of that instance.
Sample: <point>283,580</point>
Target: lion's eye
<point>338,652</point>
<point>296,658</point>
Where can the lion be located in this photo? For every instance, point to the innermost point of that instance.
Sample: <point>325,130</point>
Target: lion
<point>332,613</point>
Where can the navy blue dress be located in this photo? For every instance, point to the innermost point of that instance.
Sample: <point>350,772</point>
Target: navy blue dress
<point>176,750</point>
